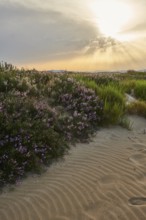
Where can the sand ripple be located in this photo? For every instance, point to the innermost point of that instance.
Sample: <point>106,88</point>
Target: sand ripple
<point>103,180</point>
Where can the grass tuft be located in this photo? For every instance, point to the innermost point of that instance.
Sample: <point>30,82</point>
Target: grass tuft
<point>137,108</point>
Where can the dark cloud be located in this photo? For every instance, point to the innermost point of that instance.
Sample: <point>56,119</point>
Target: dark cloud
<point>35,34</point>
<point>101,44</point>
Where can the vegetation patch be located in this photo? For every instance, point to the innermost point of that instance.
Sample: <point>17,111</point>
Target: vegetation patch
<point>137,108</point>
<point>140,90</point>
<point>42,113</point>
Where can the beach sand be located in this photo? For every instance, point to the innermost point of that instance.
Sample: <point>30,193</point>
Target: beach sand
<point>101,180</point>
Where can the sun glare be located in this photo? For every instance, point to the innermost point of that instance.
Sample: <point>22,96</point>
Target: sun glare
<point>111,17</point>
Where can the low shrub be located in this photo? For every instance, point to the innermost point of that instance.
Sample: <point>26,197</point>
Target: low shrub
<point>28,138</point>
<point>82,104</point>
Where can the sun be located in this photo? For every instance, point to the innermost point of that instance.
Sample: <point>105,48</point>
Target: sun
<point>111,16</point>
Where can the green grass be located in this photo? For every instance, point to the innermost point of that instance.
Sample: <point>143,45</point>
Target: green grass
<point>140,90</point>
<point>113,98</point>
<point>114,103</point>
<point>137,108</point>
<point>127,86</point>
<point>134,87</point>
<point>112,94</point>
<point>112,113</point>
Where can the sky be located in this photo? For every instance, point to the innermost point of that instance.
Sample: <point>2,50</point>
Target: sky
<point>79,35</point>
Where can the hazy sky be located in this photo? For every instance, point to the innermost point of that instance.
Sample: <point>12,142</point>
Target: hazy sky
<point>73,34</point>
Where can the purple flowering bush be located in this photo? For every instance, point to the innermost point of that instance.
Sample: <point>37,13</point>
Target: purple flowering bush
<point>28,139</point>
<point>83,106</point>
<point>40,114</point>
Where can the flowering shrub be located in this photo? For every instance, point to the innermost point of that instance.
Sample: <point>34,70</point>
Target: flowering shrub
<point>39,115</point>
<point>84,108</point>
<point>22,153</point>
<point>27,136</point>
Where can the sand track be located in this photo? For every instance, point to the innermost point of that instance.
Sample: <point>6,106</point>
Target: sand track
<point>102,180</point>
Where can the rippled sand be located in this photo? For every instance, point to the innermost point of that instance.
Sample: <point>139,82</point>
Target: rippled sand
<point>102,180</point>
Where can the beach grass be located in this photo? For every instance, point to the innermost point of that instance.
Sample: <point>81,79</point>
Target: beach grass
<point>140,90</point>
<point>137,108</point>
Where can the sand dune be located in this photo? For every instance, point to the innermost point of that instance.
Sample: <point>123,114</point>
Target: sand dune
<point>102,180</point>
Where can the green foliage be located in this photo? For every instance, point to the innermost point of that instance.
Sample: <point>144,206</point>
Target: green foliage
<point>128,86</point>
<point>92,85</point>
<point>113,98</point>
<point>137,108</point>
<point>140,90</point>
<point>112,112</point>
<point>112,94</point>
<point>135,87</point>
<point>99,79</point>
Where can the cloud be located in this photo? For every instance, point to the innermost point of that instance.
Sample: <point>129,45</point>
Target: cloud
<point>101,44</point>
<point>138,27</point>
<point>33,34</point>
<point>46,30</point>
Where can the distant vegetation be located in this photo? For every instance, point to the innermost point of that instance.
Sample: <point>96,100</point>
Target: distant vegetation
<point>42,113</point>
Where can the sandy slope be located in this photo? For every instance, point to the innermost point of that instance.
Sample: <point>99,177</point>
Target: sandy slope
<point>102,180</point>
